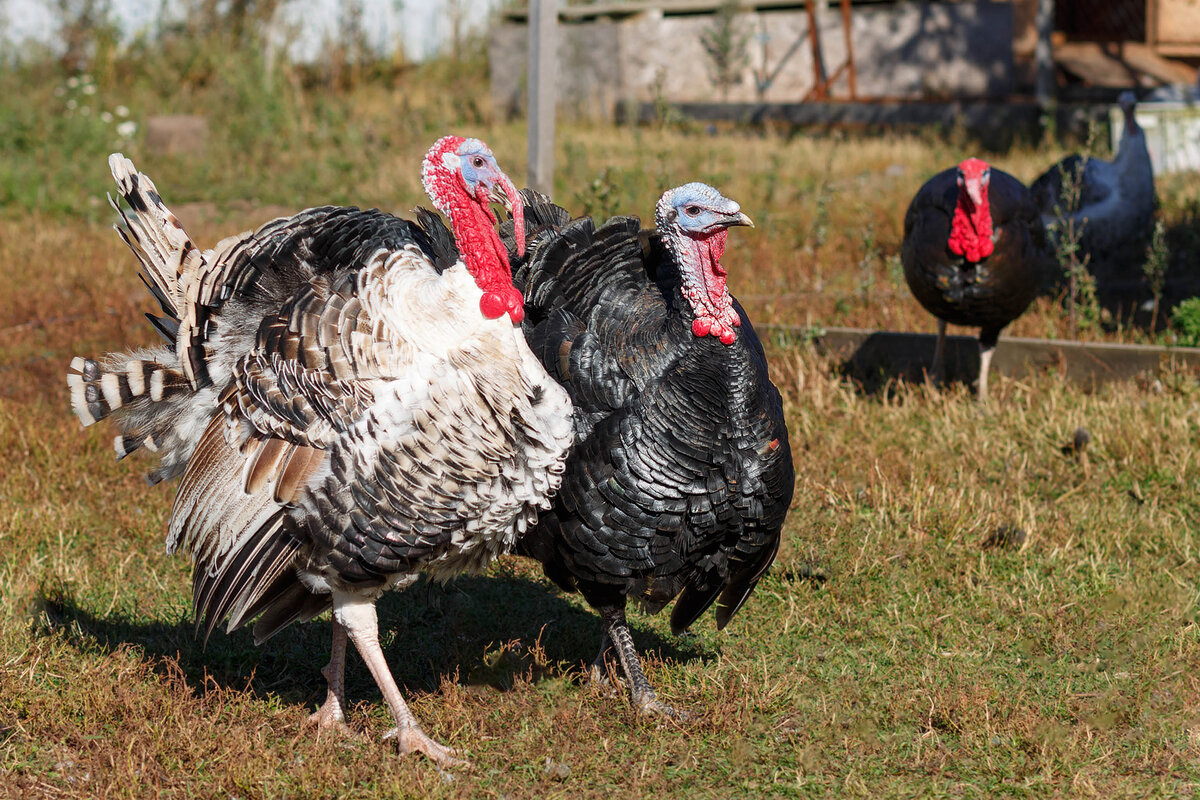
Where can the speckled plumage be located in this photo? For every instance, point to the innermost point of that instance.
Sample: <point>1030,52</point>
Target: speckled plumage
<point>681,473</point>
<point>343,414</point>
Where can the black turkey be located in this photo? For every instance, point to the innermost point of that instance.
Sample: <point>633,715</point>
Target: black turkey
<point>348,402</point>
<point>681,474</point>
<point>1114,208</point>
<point>974,254</point>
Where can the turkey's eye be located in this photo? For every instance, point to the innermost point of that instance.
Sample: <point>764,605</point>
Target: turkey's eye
<point>692,211</point>
<point>478,162</point>
<point>987,176</point>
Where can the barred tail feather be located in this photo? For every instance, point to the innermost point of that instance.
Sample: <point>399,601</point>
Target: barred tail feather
<point>99,389</point>
<point>154,234</point>
<point>147,397</point>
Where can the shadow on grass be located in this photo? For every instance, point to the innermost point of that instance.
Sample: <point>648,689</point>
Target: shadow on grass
<point>885,358</point>
<point>479,631</point>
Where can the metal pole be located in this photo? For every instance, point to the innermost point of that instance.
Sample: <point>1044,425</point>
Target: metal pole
<point>847,26</point>
<point>1043,54</point>
<point>820,90</point>
<point>543,37</point>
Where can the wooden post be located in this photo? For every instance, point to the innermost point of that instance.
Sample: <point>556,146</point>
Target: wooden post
<point>543,40</point>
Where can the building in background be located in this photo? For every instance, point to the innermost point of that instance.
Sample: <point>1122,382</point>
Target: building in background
<point>418,29</point>
<point>619,54</point>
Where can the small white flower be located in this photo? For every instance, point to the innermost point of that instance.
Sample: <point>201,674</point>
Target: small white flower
<point>88,88</point>
<point>72,82</point>
<point>59,91</point>
<point>105,116</point>
<point>126,129</point>
<point>85,78</point>
<point>71,104</point>
<point>85,110</point>
<point>121,111</point>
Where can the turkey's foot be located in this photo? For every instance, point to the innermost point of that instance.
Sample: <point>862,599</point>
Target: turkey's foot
<point>414,740</point>
<point>641,693</point>
<point>600,676</point>
<point>329,717</point>
<point>651,706</point>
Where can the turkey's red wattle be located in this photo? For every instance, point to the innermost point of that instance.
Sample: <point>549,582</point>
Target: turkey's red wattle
<point>971,229</point>
<point>704,286</point>
<point>715,274</point>
<point>484,255</point>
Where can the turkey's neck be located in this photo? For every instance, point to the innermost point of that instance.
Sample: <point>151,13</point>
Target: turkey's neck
<point>1133,139</point>
<point>703,284</point>
<point>971,229</point>
<point>486,258</point>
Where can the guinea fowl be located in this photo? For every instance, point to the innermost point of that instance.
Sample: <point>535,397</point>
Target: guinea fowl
<point>348,401</point>
<point>1114,208</point>
<point>974,254</point>
<point>681,474</point>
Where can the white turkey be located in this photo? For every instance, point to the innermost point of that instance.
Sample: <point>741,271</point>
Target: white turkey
<point>349,401</point>
<point>1115,207</point>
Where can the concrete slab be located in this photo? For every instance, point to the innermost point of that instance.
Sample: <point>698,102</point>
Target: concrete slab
<point>876,356</point>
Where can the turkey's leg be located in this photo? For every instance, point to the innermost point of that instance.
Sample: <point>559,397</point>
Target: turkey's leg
<point>939,355</point>
<point>599,668</point>
<point>987,346</point>
<point>362,626</point>
<point>640,691</point>
<point>332,713</point>
<point>598,672</point>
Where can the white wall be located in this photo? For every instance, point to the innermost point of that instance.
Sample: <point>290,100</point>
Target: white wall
<point>422,27</point>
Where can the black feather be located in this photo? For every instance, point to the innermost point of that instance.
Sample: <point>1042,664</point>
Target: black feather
<point>671,489</point>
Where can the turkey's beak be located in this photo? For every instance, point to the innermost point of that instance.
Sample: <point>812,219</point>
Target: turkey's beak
<point>740,218</point>
<point>975,191</point>
<point>504,192</point>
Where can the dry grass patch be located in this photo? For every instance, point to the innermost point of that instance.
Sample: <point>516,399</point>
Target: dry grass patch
<point>962,605</point>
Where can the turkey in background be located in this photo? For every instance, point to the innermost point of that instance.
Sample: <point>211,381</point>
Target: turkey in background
<point>1112,207</point>
<point>974,254</point>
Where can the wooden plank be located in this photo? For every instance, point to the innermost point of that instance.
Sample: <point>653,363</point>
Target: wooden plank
<point>1175,49</point>
<point>980,118</point>
<point>875,356</point>
<point>1120,65</point>
<point>1144,58</point>
<point>1176,22</point>
<point>577,12</point>
<point>543,40</point>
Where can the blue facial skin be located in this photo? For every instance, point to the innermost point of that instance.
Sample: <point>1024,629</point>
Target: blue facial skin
<point>699,208</point>
<point>478,165</point>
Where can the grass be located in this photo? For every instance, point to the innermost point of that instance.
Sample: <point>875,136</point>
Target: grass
<point>897,648</point>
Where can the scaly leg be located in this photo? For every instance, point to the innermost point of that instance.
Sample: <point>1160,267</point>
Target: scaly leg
<point>987,346</point>
<point>939,355</point>
<point>361,624</point>
<point>598,672</point>
<point>332,713</point>
<point>640,691</point>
